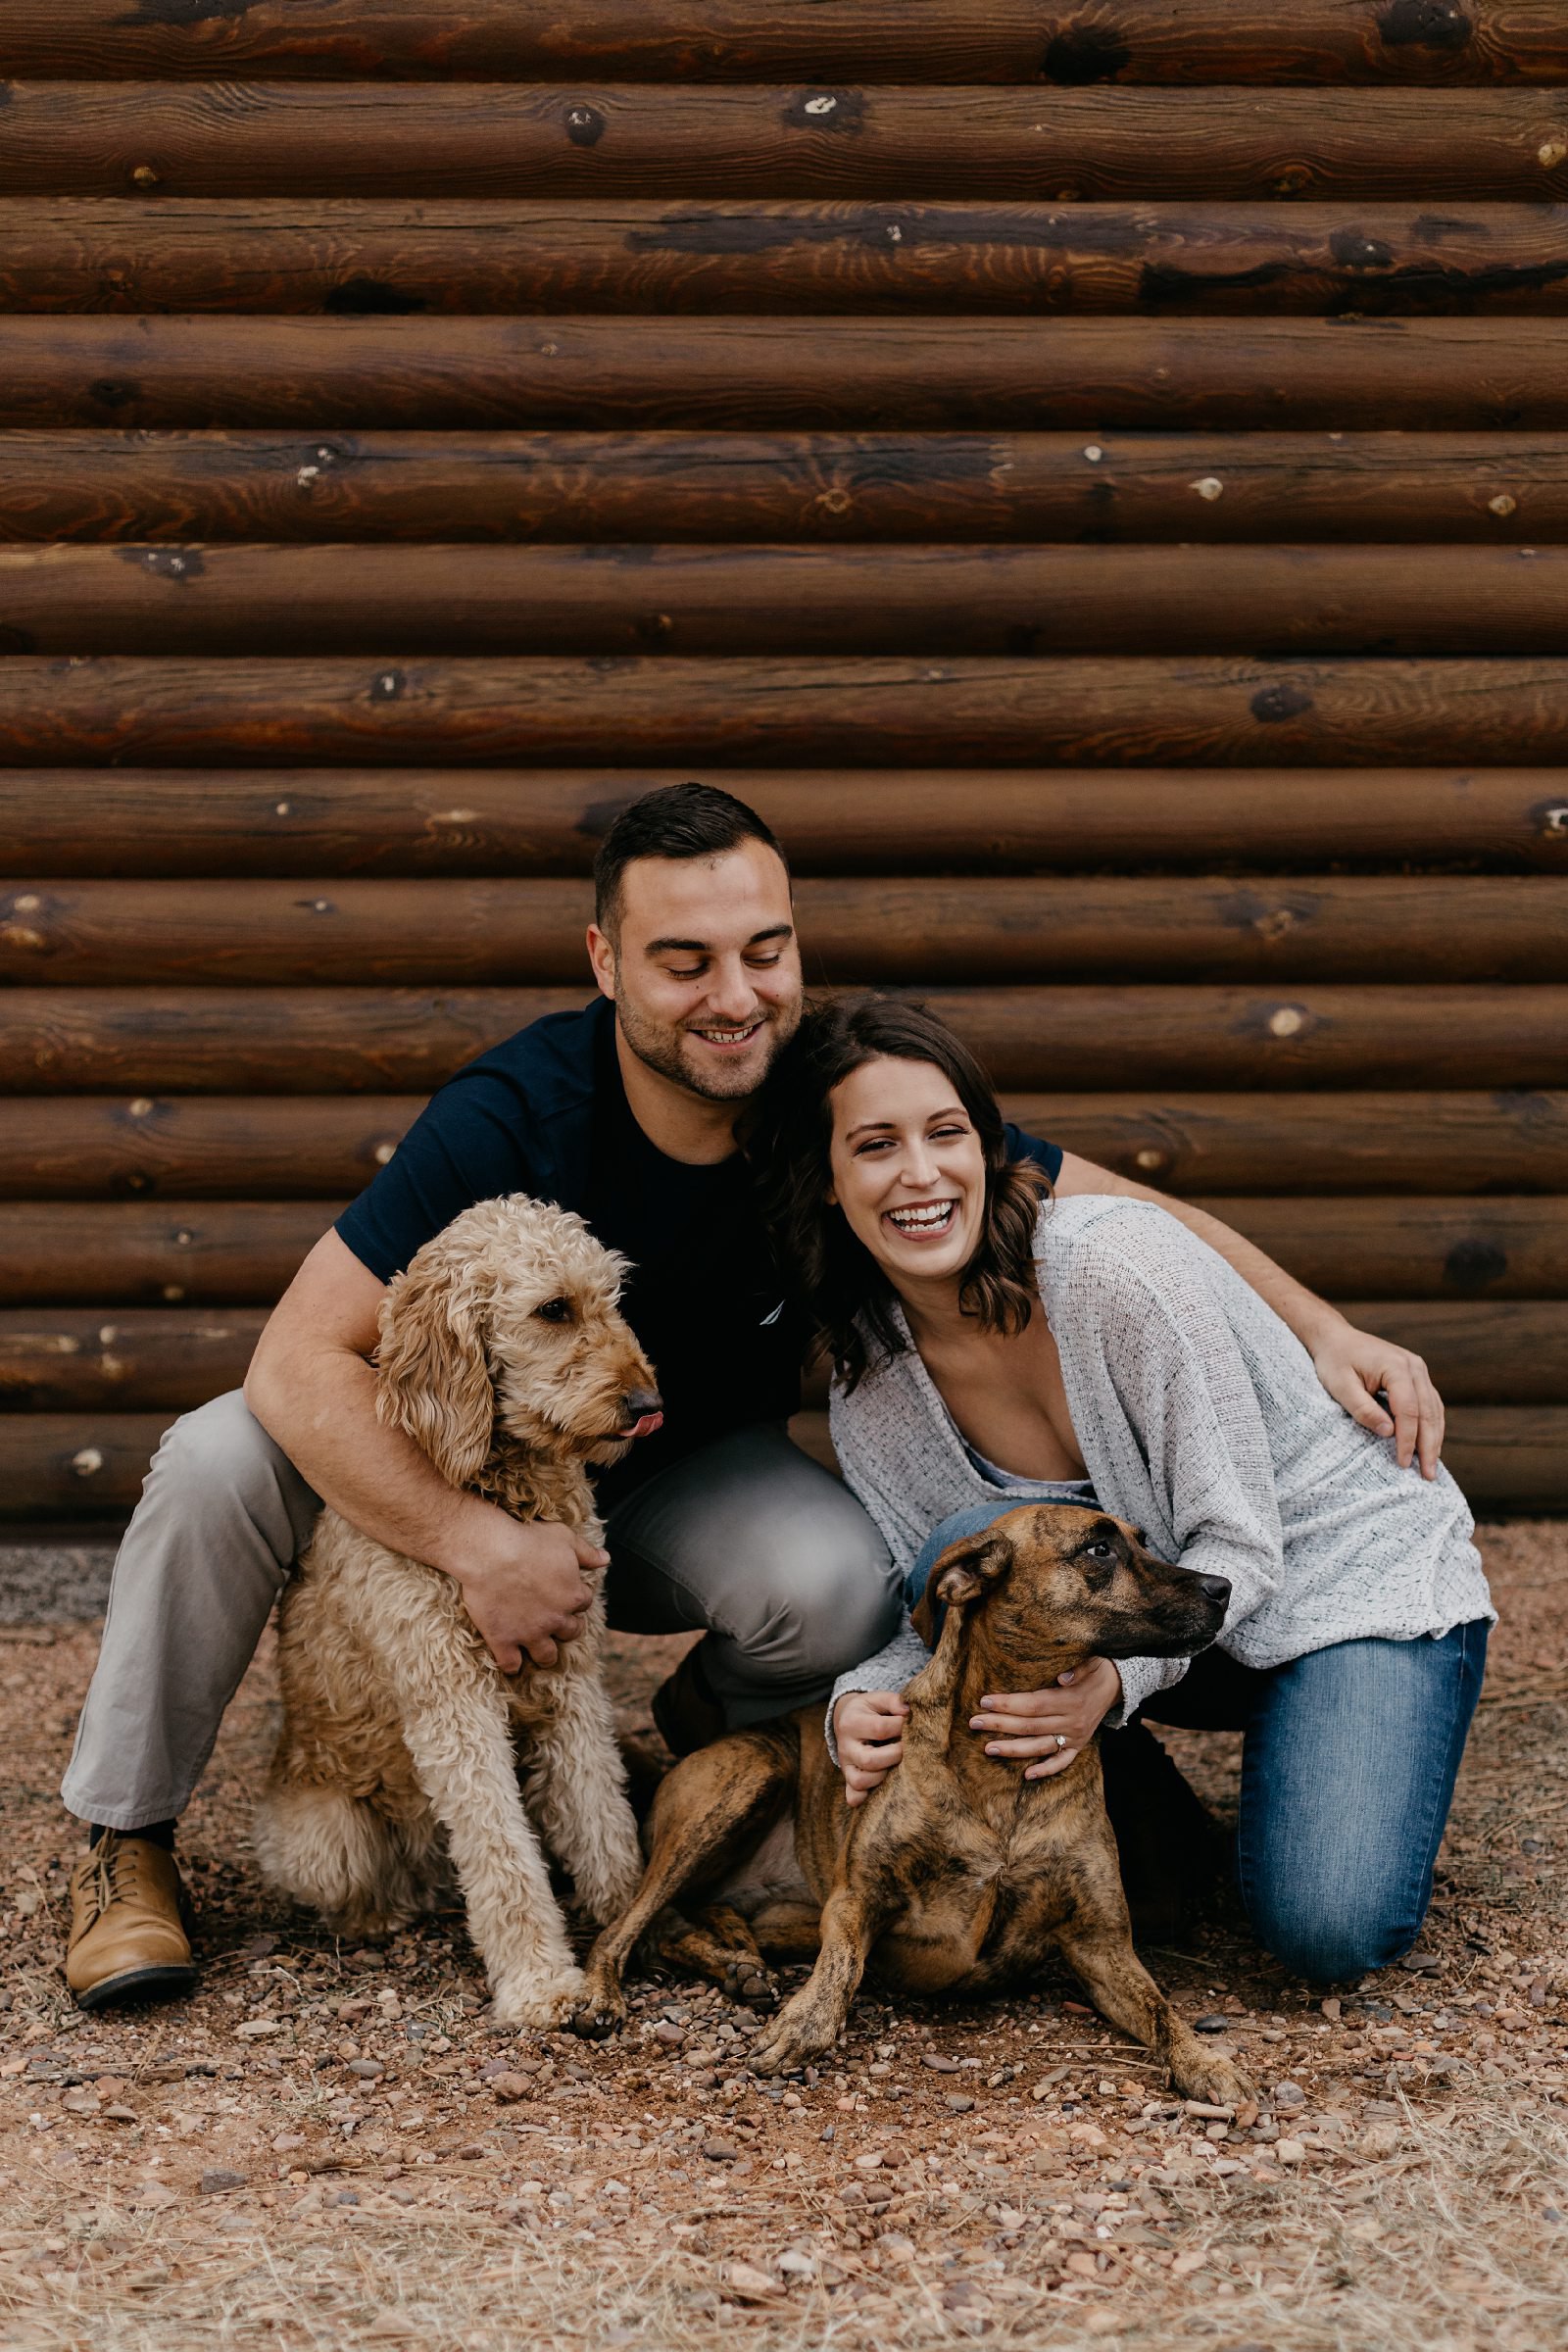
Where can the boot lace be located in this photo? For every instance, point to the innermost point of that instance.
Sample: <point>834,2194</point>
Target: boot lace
<point>116,1873</point>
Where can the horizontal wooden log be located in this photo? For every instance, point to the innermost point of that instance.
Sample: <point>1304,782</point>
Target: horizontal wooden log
<point>373,138</point>
<point>353,258</point>
<point>1093,710</point>
<point>225,1147</point>
<point>721,40</point>
<point>116,1254</point>
<point>1400,1249</point>
<point>1509,1458</point>
<point>1445,927</point>
<point>1311,1142</point>
<point>1339,374</point>
<point>136,1359</point>
<point>97,1253</point>
<point>216,1148</point>
<point>75,1466</point>
<point>1479,1351</point>
<point>1478,488</point>
<point>308,1041</point>
<point>140,1360</point>
<point>935,600</point>
<point>326,822</point>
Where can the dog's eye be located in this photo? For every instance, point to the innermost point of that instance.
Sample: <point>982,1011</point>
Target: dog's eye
<point>554,1310</point>
<point>1100,1551</point>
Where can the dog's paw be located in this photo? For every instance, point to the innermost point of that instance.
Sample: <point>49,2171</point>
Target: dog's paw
<point>542,2002</point>
<point>601,2012</point>
<point>745,1981</point>
<point>785,2047</point>
<point>1204,2074</point>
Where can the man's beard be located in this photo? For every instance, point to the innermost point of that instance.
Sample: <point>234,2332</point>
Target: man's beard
<point>659,1049</point>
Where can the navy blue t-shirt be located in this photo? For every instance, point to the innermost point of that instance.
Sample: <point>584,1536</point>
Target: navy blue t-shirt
<point>545,1113</point>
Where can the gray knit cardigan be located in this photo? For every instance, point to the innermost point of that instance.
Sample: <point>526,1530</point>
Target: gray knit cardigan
<point>1200,1419</point>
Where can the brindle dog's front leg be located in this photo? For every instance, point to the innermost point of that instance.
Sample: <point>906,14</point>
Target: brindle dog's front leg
<point>1101,1955</point>
<point>811,2022</point>
<point>711,1803</point>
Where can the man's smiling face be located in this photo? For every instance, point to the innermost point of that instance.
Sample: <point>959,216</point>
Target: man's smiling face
<point>703,967</point>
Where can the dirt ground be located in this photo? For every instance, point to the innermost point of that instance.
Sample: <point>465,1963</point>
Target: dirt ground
<point>329,2148</point>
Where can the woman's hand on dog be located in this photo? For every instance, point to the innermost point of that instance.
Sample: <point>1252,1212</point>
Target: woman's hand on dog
<point>1030,1725</point>
<point>523,1585</point>
<point>868,1725</point>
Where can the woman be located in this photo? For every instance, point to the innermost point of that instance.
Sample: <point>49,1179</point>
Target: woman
<point>1104,1353</point>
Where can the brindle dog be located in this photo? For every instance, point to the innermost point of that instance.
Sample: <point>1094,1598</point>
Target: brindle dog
<point>956,1874</point>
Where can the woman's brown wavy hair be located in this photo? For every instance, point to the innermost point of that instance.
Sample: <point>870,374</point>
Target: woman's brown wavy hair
<point>844,1291</point>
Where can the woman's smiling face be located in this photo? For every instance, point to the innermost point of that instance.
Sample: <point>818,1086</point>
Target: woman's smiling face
<point>907,1170</point>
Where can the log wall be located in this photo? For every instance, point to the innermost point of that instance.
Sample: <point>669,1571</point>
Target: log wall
<point>1095,478</point>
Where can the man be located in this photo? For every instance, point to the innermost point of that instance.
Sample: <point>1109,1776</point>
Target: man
<point>625,1113</point>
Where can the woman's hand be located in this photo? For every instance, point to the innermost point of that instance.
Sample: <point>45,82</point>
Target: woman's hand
<point>1052,1726</point>
<point>868,1725</point>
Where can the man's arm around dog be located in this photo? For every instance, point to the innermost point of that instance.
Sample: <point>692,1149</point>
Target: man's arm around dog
<point>312,1386</point>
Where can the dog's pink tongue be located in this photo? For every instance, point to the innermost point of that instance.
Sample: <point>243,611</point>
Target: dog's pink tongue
<point>648,1424</point>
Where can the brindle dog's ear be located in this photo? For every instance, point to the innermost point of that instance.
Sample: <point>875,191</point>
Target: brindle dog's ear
<point>960,1574</point>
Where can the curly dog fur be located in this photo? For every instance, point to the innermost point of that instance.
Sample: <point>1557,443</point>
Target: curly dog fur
<point>407,1758</point>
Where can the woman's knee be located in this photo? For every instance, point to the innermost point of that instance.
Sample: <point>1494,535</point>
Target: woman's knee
<point>1330,1933</point>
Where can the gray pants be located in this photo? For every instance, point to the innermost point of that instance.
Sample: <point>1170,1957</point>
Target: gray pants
<point>749,1540</point>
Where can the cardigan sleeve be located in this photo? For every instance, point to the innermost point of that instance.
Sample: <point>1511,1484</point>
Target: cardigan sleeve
<point>896,1663</point>
<point>1177,1405</point>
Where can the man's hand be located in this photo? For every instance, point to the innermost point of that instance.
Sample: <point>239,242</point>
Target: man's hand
<point>523,1585</point>
<point>1054,1725</point>
<point>1354,1365</point>
<point>868,1725</point>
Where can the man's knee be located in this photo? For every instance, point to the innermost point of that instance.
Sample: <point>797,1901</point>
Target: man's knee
<point>217,1468</point>
<point>822,1598</point>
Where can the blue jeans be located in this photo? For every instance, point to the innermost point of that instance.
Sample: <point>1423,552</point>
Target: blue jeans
<point>1348,1762</point>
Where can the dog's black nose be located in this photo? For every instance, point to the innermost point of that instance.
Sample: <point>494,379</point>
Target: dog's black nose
<point>639,1401</point>
<point>1215,1588</point>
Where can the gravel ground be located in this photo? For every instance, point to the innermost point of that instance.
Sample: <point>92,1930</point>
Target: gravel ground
<point>328,2147</point>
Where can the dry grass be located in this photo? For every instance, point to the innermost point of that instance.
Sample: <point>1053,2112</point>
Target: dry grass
<point>1040,2192</point>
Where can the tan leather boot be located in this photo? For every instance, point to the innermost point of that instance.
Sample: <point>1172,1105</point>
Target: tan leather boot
<point>127,1938</point>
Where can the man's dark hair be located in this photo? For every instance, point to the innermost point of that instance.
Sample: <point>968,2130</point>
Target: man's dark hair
<point>678,820</point>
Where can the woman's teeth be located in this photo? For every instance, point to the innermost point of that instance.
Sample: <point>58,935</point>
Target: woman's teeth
<point>931,1218</point>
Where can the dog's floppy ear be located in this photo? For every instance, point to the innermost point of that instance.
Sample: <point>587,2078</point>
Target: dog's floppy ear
<point>962,1574</point>
<point>433,1363</point>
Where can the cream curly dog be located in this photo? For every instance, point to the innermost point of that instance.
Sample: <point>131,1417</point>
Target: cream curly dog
<point>406,1754</point>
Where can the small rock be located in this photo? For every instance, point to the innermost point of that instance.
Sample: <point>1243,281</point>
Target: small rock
<point>1210,2024</point>
<point>751,2285</point>
<point>288,2139</point>
<point>120,2114</point>
<point>795,2265</point>
<point>509,2087</point>
<point>1290,2151</point>
<point>960,2101</point>
<point>218,2178</point>
<point>672,2034</point>
<point>472,2153</point>
<point>938,2064</point>
<point>720,2151</point>
<point>368,2069</point>
<point>1289,2094</point>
